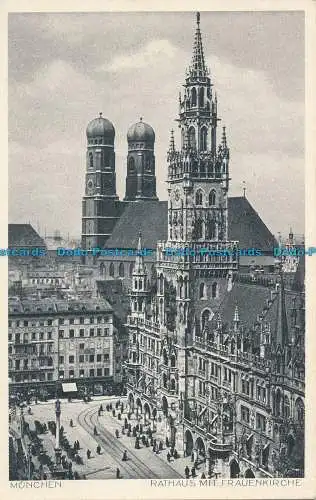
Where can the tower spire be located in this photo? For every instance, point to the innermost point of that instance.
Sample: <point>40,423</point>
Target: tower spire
<point>281,320</point>
<point>139,260</point>
<point>198,67</point>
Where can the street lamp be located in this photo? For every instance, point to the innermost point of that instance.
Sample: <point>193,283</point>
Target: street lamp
<point>57,441</point>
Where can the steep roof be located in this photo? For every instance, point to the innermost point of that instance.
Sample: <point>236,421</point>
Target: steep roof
<point>24,235</point>
<point>151,218</point>
<point>242,295</point>
<point>246,226</point>
<point>148,217</point>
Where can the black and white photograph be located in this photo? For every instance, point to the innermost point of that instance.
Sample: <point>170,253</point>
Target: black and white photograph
<point>156,246</point>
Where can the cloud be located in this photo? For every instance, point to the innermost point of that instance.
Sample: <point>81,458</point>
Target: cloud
<point>153,54</point>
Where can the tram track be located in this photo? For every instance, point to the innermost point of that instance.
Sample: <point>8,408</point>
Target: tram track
<point>133,468</point>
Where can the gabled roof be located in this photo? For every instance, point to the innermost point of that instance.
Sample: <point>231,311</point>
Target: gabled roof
<point>151,219</point>
<point>24,235</point>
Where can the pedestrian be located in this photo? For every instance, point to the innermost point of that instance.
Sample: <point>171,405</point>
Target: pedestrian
<point>88,454</point>
<point>71,423</point>
<point>101,408</point>
<point>187,472</point>
<point>175,454</point>
<point>168,456</point>
<point>123,429</point>
<point>192,456</point>
<point>98,449</point>
<point>95,432</point>
<point>107,407</point>
<point>125,423</point>
<point>78,445</point>
<point>119,416</point>
<point>151,441</point>
<point>117,473</point>
<point>113,413</point>
<point>203,476</point>
<point>160,446</point>
<point>172,451</point>
<point>193,471</point>
<point>130,427</point>
<point>167,442</point>
<point>122,408</point>
<point>110,406</point>
<point>117,433</point>
<point>124,458</point>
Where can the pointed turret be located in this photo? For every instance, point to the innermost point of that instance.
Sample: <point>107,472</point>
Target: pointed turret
<point>139,260</point>
<point>281,333</point>
<point>198,67</point>
<point>236,319</point>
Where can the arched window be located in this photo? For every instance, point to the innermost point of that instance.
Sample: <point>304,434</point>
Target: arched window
<point>165,357</point>
<point>201,97</point>
<point>164,380</point>
<point>205,318</point>
<point>286,407</point>
<point>90,160</point>
<point>160,284</point>
<point>199,229</point>
<point>173,361</point>
<point>202,290</point>
<point>111,270</point>
<point>181,287</point>
<point>193,97</point>
<point>131,268</point>
<point>199,197</point>
<point>102,269</point>
<point>192,139</point>
<point>172,384</point>
<point>212,198</point>
<point>214,290</point>
<point>299,410</point>
<point>203,139</point>
<point>131,164</point>
<point>211,230</point>
<point>121,270</point>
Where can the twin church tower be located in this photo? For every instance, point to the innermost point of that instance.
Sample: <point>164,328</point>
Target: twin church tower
<point>101,207</point>
<point>198,174</point>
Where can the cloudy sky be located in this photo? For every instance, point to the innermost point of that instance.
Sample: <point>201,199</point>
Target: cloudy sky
<point>66,68</point>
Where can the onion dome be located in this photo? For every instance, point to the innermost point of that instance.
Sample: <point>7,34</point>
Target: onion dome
<point>141,132</point>
<point>100,127</point>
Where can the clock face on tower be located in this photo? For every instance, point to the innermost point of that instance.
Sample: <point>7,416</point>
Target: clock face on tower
<point>90,186</point>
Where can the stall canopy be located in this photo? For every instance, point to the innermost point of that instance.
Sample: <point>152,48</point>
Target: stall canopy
<point>70,387</point>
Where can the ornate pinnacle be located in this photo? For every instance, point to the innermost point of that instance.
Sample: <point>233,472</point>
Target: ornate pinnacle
<point>198,67</point>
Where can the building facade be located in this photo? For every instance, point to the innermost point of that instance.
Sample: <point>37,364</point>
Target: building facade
<point>215,365</point>
<point>52,342</point>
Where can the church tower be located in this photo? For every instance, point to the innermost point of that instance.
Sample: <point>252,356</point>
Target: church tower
<point>99,205</point>
<point>193,275</point>
<point>141,178</point>
<point>198,180</point>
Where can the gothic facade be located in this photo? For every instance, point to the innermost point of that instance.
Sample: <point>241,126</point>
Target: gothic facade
<point>215,365</point>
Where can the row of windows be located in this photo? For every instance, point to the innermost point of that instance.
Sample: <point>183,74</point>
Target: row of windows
<point>34,377</point>
<point>19,338</point>
<point>99,372</point>
<point>260,419</point>
<point>101,140</point>
<point>90,358</point>
<point>48,281</point>
<point>40,349</point>
<point>203,291</point>
<point>199,197</point>
<point>84,333</point>
<point>61,321</point>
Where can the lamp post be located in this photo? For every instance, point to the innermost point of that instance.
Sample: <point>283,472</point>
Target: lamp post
<point>57,443</point>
